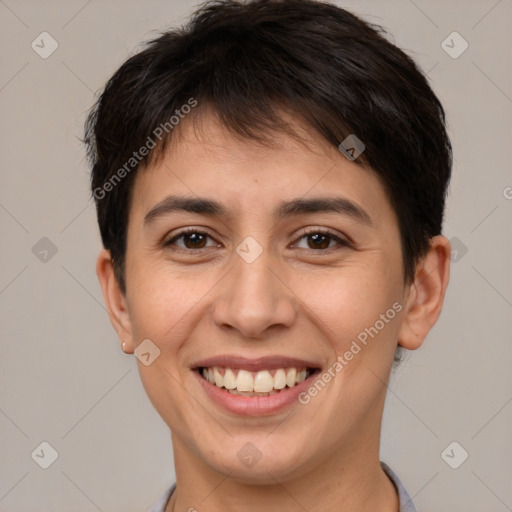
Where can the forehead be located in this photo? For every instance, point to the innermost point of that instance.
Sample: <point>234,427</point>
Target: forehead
<point>204,159</point>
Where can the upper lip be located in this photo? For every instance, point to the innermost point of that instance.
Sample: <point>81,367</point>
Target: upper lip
<point>255,364</point>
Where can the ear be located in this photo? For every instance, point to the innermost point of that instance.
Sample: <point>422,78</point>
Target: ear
<point>114,299</point>
<point>425,296</point>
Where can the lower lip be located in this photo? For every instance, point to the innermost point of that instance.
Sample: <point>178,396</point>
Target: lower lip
<point>254,405</point>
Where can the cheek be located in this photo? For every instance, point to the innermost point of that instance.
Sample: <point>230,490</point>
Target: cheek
<point>358,306</point>
<point>159,304</point>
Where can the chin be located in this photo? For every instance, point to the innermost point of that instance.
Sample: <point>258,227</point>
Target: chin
<point>253,466</point>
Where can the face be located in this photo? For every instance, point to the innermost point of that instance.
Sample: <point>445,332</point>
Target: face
<point>269,280</point>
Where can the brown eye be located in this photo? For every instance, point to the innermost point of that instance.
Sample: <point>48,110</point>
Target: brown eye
<point>192,239</point>
<point>321,240</point>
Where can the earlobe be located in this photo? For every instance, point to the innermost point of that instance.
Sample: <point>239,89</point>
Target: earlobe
<point>115,300</point>
<point>426,294</point>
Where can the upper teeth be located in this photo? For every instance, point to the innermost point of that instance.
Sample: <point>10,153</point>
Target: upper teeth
<point>262,382</point>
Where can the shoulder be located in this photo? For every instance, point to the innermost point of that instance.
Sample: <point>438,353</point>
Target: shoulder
<point>406,504</point>
<point>164,499</point>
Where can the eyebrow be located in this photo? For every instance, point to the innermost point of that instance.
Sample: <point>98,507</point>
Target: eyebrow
<point>209,207</point>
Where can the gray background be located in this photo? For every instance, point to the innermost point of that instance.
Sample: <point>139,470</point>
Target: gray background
<point>63,377</point>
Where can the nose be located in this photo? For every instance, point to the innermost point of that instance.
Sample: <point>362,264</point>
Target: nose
<point>254,298</point>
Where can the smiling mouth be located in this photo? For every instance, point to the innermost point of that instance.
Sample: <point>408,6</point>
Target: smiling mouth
<point>255,383</point>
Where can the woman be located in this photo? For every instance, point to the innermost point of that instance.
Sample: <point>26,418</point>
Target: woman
<point>270,184</point>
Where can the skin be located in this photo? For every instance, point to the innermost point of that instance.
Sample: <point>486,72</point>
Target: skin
<point>294,299</point>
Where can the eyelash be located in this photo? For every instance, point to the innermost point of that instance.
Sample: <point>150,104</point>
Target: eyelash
<point>309,231</point>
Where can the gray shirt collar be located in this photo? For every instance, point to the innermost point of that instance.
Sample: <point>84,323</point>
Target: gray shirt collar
<point>405,502</point>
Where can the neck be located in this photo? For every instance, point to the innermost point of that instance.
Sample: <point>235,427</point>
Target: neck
<point>347,480</point>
